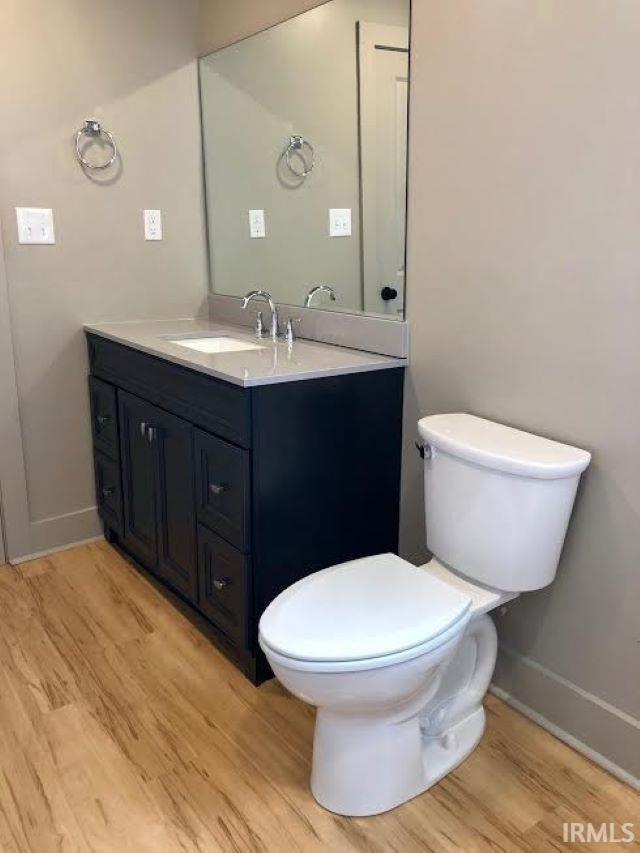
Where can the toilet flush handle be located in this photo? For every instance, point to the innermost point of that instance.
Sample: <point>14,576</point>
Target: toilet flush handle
<point>425,450</point>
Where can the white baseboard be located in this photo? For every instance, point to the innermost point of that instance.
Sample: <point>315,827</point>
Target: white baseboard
<point>603,733</point>
<point>565,737</point>
<point>16,561</point>
<point>58,533</point>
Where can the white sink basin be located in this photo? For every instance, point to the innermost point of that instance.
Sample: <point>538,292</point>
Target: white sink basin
<point>215,343</point>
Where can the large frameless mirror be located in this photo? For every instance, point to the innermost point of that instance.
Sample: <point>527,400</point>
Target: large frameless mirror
<point>305,155</point>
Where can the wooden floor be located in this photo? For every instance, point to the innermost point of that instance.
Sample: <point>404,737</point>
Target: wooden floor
<point>122,728</point>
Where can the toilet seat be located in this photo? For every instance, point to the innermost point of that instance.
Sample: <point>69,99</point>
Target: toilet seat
<point>330,666</point>
<point>363,614</point>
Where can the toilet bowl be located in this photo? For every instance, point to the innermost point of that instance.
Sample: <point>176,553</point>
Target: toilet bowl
<point>397,658</point>
<point>391,720</point>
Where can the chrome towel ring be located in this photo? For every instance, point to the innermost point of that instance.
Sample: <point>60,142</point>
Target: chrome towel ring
<point>302,150</point>
<point>94,130</point>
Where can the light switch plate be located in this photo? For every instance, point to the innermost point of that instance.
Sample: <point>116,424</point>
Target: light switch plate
<point>35,225</point>
<point>257,228</point>
<point>152,224</point>
<point>340,222</point>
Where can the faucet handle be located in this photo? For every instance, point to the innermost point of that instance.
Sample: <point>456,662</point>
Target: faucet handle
<point>289,334</point>
<point>259,325</point>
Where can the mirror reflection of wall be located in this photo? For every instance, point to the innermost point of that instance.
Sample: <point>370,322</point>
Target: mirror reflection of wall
<point>337,76</point>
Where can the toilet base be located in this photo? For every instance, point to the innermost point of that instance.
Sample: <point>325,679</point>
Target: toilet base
<point>343,785</point>
<point>367,763</point>
<point>362,777</point>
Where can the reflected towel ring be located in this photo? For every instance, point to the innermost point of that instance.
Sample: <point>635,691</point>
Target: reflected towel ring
<point>94,130</point>
<point>297,146</point>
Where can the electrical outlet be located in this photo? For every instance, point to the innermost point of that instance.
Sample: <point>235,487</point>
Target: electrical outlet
<point>35,225</point>
<point>257,228</point>
<point>152,224</point>
<point>340,222</point>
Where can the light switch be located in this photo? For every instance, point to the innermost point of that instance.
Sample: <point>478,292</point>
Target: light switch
<point>35,225</point>
<point>152,224</point>
<point>340,222</point>
<point>257,227</point>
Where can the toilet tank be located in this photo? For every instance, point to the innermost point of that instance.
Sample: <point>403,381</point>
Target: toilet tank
<point>497,500</point>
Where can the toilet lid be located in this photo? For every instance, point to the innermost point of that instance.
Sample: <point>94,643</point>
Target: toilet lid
<point>363,609</point>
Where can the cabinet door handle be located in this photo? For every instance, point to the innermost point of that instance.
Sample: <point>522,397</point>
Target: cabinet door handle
<point>151,434</point>
<point>217,488</point>
<point>221,583</point>
<point>107,492</point>
<point>103,419</point>
<point>143,429</point>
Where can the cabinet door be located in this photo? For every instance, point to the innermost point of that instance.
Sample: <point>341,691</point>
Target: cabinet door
<point>171,438</point>
<point>138,478</point>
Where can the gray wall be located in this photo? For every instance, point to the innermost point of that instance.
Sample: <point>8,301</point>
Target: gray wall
<point>299,77</point>
<point>14,505</point>
<point>524,307</point>
<point>523,300</point>
<point>134,68</point>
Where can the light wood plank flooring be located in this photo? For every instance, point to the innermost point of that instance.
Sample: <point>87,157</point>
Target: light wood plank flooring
<point>123,729</point>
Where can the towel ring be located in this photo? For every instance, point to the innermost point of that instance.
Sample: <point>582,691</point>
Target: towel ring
<point>298,145</point>
<point>94,130</point>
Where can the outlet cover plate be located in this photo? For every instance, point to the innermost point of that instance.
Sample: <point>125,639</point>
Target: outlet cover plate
<point>257,227</point>
<point>152,224</point>
<point>35,225</point>
<point>340,222</point>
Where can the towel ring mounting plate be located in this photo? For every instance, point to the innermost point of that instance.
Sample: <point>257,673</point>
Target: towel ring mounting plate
<point>301,147</point>
<point>94,130</point>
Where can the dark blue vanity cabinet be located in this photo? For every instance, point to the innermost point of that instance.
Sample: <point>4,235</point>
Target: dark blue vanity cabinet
<point>227,495</point>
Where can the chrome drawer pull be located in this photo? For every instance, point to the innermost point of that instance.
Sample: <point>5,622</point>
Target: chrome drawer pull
<point>221,583</point>
<point>107,492</point>
<point>103,419</point>
<point>217,488</point>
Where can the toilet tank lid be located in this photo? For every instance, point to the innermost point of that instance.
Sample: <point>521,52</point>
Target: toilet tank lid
<point>502,448</point>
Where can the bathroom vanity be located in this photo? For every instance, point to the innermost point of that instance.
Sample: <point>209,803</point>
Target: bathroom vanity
<point>231,475</point>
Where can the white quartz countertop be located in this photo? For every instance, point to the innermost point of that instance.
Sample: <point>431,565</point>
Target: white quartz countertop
<point>270,364</point>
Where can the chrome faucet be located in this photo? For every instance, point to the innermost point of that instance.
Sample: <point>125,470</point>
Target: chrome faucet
<point>320,288</point>
<point>262,294</point>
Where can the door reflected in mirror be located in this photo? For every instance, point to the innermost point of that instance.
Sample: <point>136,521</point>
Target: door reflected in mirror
<point>305,158</point>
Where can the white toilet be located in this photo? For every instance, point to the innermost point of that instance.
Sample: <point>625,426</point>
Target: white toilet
<point>397,658</point>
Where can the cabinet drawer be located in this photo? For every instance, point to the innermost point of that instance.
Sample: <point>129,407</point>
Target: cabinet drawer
<point>108,491</point>
<point>223,585</point>
<point>104,417</point>
<point>223,488</point>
